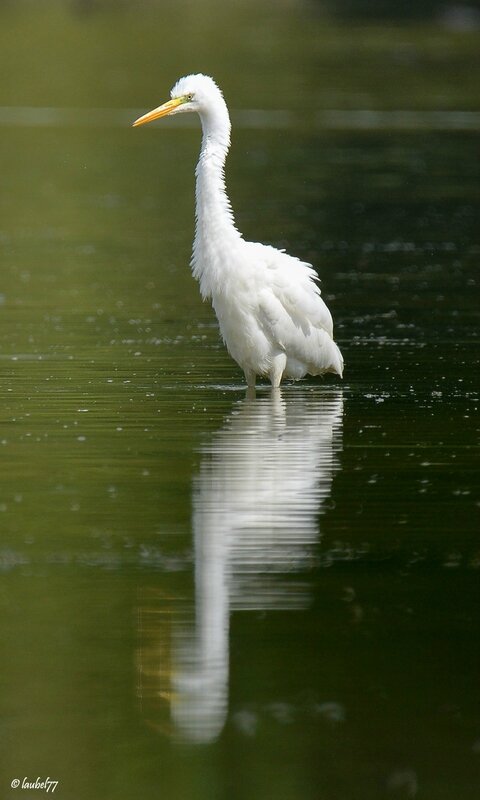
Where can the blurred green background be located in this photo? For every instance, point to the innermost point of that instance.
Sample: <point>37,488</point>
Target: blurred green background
<point>290,54</point>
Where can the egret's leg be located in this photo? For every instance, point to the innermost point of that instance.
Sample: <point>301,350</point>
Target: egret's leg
<point>279,362</point>
<point>250,377</point>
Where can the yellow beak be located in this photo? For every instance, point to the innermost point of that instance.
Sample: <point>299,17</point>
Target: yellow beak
<point>161,111</point>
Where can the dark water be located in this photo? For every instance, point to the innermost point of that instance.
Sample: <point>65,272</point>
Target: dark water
<point>205,595</point>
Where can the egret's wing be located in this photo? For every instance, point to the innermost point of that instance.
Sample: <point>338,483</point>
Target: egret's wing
<point>310,348</point>
<point>294,316</point>
<point>293,284</point>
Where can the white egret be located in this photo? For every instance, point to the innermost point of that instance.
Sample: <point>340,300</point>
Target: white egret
<point>271,315</point>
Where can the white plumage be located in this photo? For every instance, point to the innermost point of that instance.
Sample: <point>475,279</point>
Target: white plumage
<point>271,315</point>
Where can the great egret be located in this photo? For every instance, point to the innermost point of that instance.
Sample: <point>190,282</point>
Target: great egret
<point>271,315</point>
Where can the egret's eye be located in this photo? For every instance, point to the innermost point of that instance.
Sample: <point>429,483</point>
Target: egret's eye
<point>189,98</point>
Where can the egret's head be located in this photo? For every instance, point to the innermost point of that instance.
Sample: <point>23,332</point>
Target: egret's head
<point>193,93</point>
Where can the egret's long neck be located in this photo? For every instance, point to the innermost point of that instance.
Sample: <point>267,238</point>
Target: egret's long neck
<point>215,229</point>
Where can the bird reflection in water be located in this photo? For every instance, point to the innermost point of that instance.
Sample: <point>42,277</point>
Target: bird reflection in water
<point>263,480</point>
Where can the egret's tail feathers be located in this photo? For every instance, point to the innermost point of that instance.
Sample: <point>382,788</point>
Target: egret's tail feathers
<point>337,360</point>
<point>329,359</point>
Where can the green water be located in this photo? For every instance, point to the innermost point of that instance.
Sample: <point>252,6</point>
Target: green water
<point>204,595</point>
